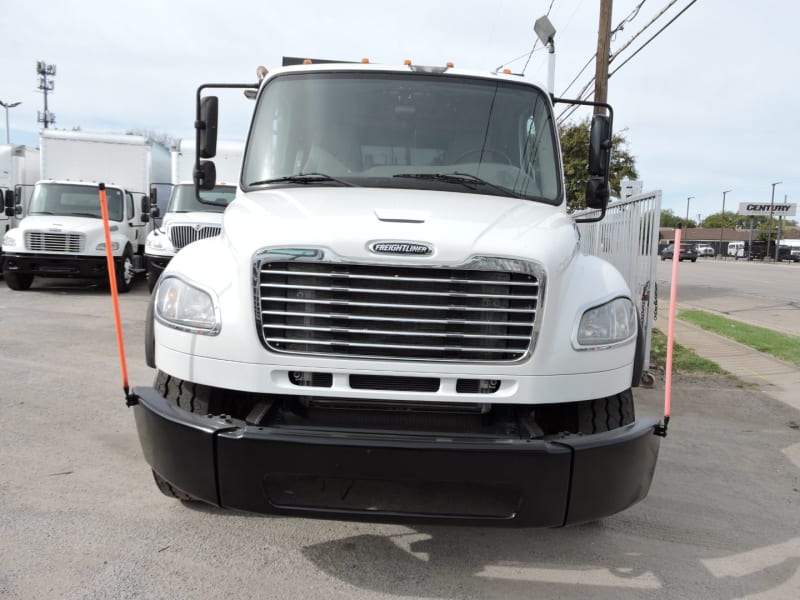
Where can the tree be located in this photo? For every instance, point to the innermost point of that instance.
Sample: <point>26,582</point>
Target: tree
<point>575,148</point>
<point>670,219</point>
<point>730,221</point>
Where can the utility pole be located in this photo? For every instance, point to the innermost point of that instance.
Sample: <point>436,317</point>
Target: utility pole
<point>687,210</point>
<point>603,54</point>
<point>722,221</point>
<point>771,208</point>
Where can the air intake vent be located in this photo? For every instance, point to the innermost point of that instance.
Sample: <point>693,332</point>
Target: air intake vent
<point>396,312</point>
<point>40,241</point>
<point>183,235</point>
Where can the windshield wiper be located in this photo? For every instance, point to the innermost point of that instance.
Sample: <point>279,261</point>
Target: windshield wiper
<point>304,178</point>
<point>467,179</point>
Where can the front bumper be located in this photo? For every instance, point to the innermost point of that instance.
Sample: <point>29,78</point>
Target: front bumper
<point>369,475</point>
<point>55,265</point>
<point>155,265</point>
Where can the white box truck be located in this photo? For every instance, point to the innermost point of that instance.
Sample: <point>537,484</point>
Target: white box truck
<point>19,170</point>
<point>397,320</point>
<point>62,234</point>
<point>186,218</point>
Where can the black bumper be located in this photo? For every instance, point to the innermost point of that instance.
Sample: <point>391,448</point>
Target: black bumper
<point>155,265</point>
<point>368,475</point>
<point>56,265</point>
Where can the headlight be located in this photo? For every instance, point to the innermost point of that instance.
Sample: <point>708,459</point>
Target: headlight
<point>102,246</point>
<point>156,242</point>
<point>186,307</point>
<point>9,241</point>
<point>606,325</point>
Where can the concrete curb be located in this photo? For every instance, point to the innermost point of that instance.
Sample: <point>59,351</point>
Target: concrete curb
<point>776,378</point>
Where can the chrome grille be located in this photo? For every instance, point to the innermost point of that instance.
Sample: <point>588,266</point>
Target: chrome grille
<point>43,241</point>
<point>182,235</point>
<point>396,312</point>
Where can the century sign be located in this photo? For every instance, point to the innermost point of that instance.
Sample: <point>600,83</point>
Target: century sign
<point>778,210</point>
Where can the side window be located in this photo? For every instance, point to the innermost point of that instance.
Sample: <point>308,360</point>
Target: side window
<point>129,206</point>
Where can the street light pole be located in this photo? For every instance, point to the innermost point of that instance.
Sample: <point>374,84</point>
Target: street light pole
<point>687,210</point>
<point>771,208</point>
<point>8,105</point>
<point>722,221</point>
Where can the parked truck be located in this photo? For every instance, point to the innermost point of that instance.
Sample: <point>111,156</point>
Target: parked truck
<point>186,218</point>
<point>62,234</point>
<point>19,170</point>
<point>398,320</point>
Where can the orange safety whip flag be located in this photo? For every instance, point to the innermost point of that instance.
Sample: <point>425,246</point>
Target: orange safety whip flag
<point>112,282</point>
<point>673,294</point>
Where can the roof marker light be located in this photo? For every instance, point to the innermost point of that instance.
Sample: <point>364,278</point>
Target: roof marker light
<point>506,71</point>
<point>364,61</point>
<point>450,65</point>
<point>306,61</point>
<point>407,62</point>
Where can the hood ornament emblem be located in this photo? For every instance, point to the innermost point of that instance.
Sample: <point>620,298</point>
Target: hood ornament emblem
<point>400,247</point>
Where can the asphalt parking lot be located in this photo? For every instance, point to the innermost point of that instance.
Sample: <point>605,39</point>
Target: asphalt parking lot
<point>82,518</point>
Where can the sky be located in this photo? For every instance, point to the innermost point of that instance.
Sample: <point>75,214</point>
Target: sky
<point>709,105</point>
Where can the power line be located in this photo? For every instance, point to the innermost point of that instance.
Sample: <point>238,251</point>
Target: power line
<point>642,30</point>
<point>569,111</point>
<point>629,19</point>
<point>620,26</point>
<point>652,38</point>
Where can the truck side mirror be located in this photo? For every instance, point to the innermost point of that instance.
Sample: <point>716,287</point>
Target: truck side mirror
<point>600,146</point>
<point>18,200</point>
<point>597,188</point>
<point>205,176</point>
<point>153,196</point>
<point>597,193</point>
<point>155,212</point>
<point>146,203</point>
<point>8,202</point>
<point>207,126</point>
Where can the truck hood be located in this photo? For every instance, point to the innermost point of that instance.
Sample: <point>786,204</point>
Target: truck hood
<point>62,224</point>
<point>347,220</point>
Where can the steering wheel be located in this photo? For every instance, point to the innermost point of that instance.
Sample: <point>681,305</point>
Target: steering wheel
<point>483,153</point>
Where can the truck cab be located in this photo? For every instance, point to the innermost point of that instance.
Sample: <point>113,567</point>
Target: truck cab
<point>188,216</point>
<point>62,235</point>
<point>186,220</point>
<point>397,319</point>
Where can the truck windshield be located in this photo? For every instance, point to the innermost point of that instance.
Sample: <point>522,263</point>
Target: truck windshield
<point>69,200</point>
<point>380,129</point>
<point>183,198</point>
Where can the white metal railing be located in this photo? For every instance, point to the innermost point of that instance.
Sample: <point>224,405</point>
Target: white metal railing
<point>628,238</point>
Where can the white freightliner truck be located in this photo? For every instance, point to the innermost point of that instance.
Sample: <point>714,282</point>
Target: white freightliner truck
<point>62,233</point>
<point>397,320</point>
<point>186,219</point>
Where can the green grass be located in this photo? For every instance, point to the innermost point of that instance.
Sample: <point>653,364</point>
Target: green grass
<point>683,359</point>
<point>779,345</point>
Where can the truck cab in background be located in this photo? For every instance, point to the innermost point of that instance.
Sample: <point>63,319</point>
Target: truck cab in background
<point>62,234</point>
<point>187,218</point>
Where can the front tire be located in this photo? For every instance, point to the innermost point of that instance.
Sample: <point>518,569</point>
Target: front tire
<point>605,414</point>
<point>194,397</point>
<point>125,272</point>
<point>18,282</point>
